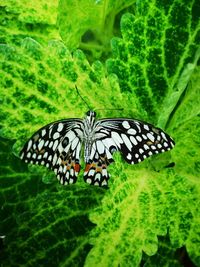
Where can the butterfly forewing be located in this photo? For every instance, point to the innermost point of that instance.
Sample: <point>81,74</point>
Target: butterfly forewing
<point>57,146</point>
<point>136,140</point>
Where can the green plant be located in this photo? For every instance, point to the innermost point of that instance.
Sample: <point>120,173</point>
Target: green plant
<point>151,69</point>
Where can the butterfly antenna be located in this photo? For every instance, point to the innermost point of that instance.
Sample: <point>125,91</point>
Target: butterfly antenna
<point>82,98</point>
<point>121,109</point>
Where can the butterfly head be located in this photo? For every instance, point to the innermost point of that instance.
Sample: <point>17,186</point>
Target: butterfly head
<point>90,117</point>
<point>91,113</point>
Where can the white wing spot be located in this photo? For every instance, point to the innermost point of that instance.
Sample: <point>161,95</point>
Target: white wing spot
<point>165,144</point>
<point>72,172</point>
<point>46,143</point>
<point>129,156</point>
<point>144,136</point>
<point>40,144</point>
<point>146,147</point>
<point>91,172</point>
<point>141,150</point>
<point>104,172</point>
<point>126,125</point>
<point>164,136</point>
<point>132,131</point>
<point>51,144</point>
<point>151,137</point>
<point>29,155</point>
<point>29,144</point>
<point>98,176</point>
<point>67,175</point>
<point>89,180</point>
<point>54,159</point>
<point>139,138</point>
<point>136,155</point>
<point>146,127</point>
<point>133,140</point>
<point>127,141</point>
<point>55,145</point>
<point>45,155</point>
<point>43,132</point>
<point>104,182</point>
<point>56,135</point>
<point>60,127</point>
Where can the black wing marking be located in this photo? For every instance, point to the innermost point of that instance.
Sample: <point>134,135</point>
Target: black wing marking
<point>56,146</point>
<point>135,139</point>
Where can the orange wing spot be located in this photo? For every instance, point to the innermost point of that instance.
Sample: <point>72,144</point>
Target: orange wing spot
<point>40,152</point>
<point>77,167</point>
<point>98,169</point>
<point>88,166</point>
<point>64,162</point>
<point>149,143</point>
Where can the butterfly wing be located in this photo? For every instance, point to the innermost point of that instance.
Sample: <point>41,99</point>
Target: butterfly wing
<point>136,140</point>
<point>96,169</point>
<point>57,146</point>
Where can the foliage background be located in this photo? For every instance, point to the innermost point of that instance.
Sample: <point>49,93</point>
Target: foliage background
<point>142,56</point>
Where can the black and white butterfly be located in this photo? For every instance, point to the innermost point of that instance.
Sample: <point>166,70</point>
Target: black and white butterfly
<point>58,146</point>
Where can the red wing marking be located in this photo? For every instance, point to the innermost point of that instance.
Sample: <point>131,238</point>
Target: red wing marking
<point>67,172</point>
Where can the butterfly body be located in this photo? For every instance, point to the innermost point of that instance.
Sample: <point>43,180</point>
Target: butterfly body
<point>58,146</point>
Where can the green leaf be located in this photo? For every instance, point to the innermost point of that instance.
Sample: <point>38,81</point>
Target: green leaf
<point>38,86</point>
<point>166,256</point>
<point>140,205</point>
<point>20,19</point>
<point>158,41</point>
<point>43,225</point>
<point>95,26</point>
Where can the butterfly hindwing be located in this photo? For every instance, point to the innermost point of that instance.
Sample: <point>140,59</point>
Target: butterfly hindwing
<point>96,170</point>
<point>136,140</point>
<point>56,146</point>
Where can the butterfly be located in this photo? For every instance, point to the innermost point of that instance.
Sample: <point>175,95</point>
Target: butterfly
<point>58,146</point>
